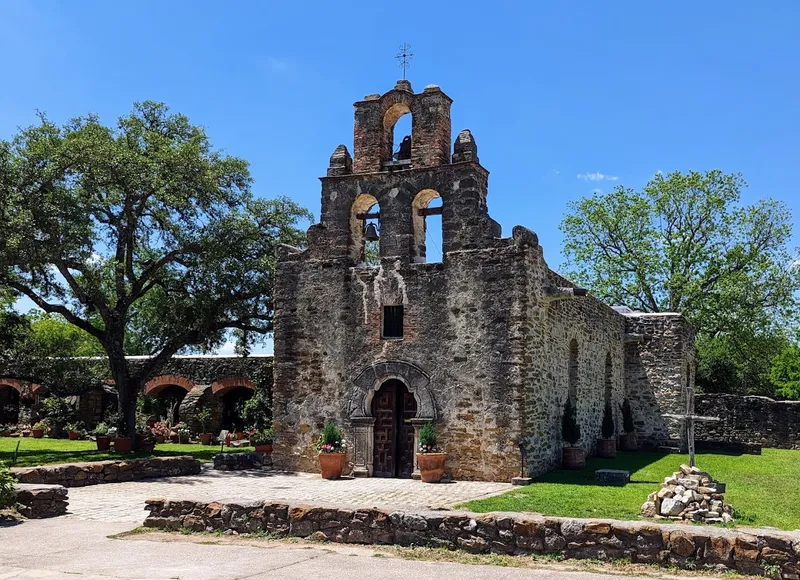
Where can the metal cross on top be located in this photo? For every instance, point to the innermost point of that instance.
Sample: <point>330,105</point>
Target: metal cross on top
<point>404,56</point>
<point>688,418</point>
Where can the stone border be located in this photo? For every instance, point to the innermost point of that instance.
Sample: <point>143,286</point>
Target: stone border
<point>751,551</point>
<point>110,471</point>
<point>40,501</point>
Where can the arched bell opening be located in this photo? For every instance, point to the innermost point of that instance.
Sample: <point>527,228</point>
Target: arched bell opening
<point>426,219</point>
<point>365,216</point>
<point>397,135</point>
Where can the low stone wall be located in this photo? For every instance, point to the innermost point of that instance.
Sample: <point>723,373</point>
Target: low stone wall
<point>111,471</point>
<point>242,461</point>
<point>749,420</point>
<point>685,546</point>
<point>40,500</point>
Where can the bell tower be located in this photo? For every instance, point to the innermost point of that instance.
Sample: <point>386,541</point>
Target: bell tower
<point>380,193</point>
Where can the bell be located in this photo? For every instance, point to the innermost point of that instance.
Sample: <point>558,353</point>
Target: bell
<point>371,233</point>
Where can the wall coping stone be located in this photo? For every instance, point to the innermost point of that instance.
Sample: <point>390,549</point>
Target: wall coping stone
<point>746,550</point>
<point>107,471</point>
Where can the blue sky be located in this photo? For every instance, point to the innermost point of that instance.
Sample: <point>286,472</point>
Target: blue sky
<point>562,97</point>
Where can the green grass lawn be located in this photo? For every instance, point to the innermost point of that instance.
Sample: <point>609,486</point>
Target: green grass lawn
<point>43,451</point>
<point>763,488</point>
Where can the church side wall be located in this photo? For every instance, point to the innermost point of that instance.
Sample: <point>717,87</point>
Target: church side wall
<point>597,329</point>
<point>659,368</point>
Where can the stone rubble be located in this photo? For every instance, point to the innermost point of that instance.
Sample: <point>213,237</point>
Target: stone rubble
<point>689,495</point>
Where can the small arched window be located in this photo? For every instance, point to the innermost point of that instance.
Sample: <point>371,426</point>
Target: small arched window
<point>573,371</point>
<point>426,212</point>
<point>364,216</point>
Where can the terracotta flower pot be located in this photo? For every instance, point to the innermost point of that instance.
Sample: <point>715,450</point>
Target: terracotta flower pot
<point>264,448</point>
<point>239,436</point>
<point>123,444</point>
<point>146,445</point>
<point>628,442</point>
<point>38,433</point>
<point>5,433</point>
<point>431,466</point>
<point>331,465</point>
<point>103,442</point>
<point>607,448</point>
<point>573,458</point>
<point>160,439</point>
<point>205,438</point>
<point>73,435</point>
<point>26,433</point>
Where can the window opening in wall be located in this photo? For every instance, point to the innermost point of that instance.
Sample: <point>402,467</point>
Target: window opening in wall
<point>393,321</point>
<point>427,221</point>
<point>573,371</point>
<point>401,139</point>
<point>397,137</point>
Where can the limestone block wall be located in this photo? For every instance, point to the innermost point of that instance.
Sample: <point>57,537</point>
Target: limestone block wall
<point>457,320</point>
<point>753,420</point>
<point>586,327</point>
<point>660,365</point>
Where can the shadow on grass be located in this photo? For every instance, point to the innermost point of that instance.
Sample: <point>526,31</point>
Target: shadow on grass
<point>633,461</point>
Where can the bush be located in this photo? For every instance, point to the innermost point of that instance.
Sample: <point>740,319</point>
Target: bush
<point>59,412</point>
<point>627,417</point>
<point>264,437</point>
<point>204,419</point>
<point>331,440</point>
<point>609,429</point>
<point>100,429</point>
<point>427,439</point>
<point>570,430</point>
<point>6,486</point>
<point>256,411</point>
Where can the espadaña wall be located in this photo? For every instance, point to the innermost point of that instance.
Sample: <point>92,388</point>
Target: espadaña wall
<point>754,420</point>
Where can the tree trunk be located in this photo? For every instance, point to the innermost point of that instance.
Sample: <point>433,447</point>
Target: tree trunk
<point>127,395</point>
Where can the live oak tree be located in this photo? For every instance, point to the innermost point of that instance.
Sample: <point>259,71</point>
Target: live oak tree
<point>684,243</point>
<point>141,228</point>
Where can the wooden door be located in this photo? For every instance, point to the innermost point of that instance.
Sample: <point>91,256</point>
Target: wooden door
<point>383,409</point>
<point>393,448</point>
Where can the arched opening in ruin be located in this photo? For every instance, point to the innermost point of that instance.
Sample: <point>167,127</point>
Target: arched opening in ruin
<point>9,404</point>
<point>393,407</point>
<point>365,221</point>
<point>397,134</point>
<point>573,371</point>
<point>426,218</point>
<point>233,402</point>
<point>167,403</point>
<point>608,381</point>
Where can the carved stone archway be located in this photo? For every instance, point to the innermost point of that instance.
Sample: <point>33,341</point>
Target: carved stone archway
<point>359,407</point>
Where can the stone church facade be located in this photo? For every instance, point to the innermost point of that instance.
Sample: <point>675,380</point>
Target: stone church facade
<point>487,344</point>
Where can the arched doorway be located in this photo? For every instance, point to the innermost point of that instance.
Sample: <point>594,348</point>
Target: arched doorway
<point>233,402</point>
<point>9,404</point>
<point>169,399</point>
<point>393,407</point>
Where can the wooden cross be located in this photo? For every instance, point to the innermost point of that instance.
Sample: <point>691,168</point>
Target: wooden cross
<point>404,56</point>
<point>688,418</point>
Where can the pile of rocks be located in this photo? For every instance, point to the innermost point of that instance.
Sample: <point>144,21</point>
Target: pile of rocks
<point>689,494</point>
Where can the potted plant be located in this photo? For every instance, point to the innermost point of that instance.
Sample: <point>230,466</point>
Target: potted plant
<point>262,440</point>
<point>74,431</point>
<point>332,449</point>
<point>39,429</point>
<point>183,432</point>
<point>572,457</point>
<point>122,444</point>
<point>5,430</point>
<point>607,446</point>
<point>204,419</point>
<point>25,430</point>
<point>145,442</point>
<point>160,431</point>
<point>430,459</point>
<point>627,441</point>
<point>101,437</point>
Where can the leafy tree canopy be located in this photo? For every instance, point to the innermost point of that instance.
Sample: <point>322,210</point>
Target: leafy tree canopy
<point>142,228</point>
<point>685,243</point>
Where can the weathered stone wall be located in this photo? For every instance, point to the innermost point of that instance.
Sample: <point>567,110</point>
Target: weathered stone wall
<point>751,420</point>
<point>659,372</point>
<point>110,471</point>
<point>748,551</point>
<point>40,500</point>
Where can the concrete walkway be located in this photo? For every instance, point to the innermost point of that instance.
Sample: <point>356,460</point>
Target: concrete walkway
<point>124,502</point>
<point>67,549</point>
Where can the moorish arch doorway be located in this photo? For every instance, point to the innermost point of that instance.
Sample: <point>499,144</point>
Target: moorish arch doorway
<point>388,404</point>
